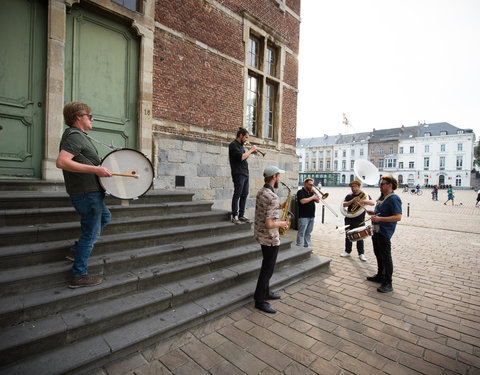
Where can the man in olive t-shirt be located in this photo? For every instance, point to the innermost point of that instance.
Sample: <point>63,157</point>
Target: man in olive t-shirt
<point>79,160</point>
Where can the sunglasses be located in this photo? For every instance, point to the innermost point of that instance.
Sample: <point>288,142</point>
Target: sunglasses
<point>90,117</point>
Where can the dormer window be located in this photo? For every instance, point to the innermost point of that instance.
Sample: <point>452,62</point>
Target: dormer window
<point>460,131</point>
<point>134,5</point>
<point>443,132</point>
<point>427,134</point>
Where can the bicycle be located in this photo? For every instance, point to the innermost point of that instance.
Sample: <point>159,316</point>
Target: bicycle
<point>416,192</point>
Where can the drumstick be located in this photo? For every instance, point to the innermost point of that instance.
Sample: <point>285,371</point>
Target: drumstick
<point>125,175</point>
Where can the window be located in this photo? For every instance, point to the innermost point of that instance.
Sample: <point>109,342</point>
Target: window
<point>443,132</point>
<point>344,153</point>
<point>458,180</point>
<point>343,178</point>
<point>328,164</point>
<point>380,163</point>
<point>361,152</point>
<point>320,165</point>
<point>134,5</point>
<point>352,163</point>
<point>320,154</point>
<point>261,107</point>
<point>252,101</point>
<point>442,147</point>
<point>336,153</point>
<point>426,163</point>
<point>391,163</point>
<point>372,161</point>
<point>314,165</point>
<point>400,150</point>
<point>271,60</point>
<point>427,148</point>
<point>254,52</point>
<point>329,153</point>
<point>460,147</point>
<point>412,149</point>
<point>344,165</point>
<point>390,151</point>
<point>314,154</point>
<point>427,134</point>
<point>442,162</point>
<point>400,165</point>
<point>459,162</point>
<point>335,165</point>
<point>460,131</point>
<point>352,152</point>
<point>306,165</point>
<point>381,151</point>
<point>268,111</point>
<point>411,164</point>
<point>372,151</point>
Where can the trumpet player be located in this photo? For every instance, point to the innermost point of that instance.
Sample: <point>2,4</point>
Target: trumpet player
<point>239,168</point>
<point>306,199</point>
<point>356,201</point>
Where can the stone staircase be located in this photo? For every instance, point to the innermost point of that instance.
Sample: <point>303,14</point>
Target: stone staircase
<point>169,263</point>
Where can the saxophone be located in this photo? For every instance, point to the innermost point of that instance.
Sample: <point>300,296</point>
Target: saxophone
<point>286,215</point>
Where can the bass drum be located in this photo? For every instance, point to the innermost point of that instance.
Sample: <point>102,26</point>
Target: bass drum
<point>131,163</point>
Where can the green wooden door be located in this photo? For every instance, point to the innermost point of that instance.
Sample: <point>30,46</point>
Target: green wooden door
<point>22,87</point>
<point>101,69</point>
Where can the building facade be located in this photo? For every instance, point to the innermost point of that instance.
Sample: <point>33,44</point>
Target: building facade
<point>173,79</point>
<point>426,154</point>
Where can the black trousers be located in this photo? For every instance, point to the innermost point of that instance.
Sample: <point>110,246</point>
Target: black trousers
<point>382,248</point>
<point>268,264</point>
<point>348,246</point>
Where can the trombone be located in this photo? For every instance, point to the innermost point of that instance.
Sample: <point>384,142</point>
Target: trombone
<point>263,153</point>
<point>323,196</point>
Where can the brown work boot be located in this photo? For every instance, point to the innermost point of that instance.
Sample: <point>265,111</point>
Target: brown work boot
<point>84,280</point>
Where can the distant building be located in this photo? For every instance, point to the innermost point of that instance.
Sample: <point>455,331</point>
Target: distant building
<point>425,154</point>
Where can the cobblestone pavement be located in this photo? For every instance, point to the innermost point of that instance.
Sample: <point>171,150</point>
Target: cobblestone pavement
<point>336,322</point>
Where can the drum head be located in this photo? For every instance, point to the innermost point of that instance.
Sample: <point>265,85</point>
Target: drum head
<point>128,162</point>
<point>356,230</point>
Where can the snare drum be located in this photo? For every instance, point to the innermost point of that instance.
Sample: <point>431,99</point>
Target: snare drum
<point>359,233</point>
<point>131,163</point>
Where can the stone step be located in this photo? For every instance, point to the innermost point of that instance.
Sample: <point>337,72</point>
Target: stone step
<point>16,256</point>
<point>53,332</point>
<point>37,216</point>
<point>45,232</point>
<point>36,277</point>
<point>48,199</point>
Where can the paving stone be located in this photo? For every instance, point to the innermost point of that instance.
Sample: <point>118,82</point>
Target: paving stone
<point>126,364</point>
<point>202,354</point>
<point>240,358</point>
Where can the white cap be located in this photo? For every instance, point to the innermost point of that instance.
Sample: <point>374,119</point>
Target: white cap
<point>272,171</point>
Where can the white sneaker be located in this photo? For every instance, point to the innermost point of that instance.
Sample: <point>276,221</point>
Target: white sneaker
<point>344,254</point>
<point>362,257</point>
<point>235,220</point>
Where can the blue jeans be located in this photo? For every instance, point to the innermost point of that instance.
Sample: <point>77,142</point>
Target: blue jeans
<point>305,227</point>
<point>94,216</point>
<point>240,192</point>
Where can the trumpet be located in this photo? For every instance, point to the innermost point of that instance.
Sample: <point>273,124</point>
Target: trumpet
<point>323,196</point>
<point>263,153</point>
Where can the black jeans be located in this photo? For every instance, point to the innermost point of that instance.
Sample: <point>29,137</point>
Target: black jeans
<point>240,192</point>
<point>348,246</point>
<point>383,251</point>
<point>268,264</point>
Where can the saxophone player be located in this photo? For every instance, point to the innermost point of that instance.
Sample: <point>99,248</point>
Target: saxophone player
<point>354,202</point>
<point>267,235</point>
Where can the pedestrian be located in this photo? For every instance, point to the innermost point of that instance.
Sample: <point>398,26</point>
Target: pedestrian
<point>451,197</point>
<point>354,203</point>
<point>306,199</point>
<point>266,233</point>
<point>478,200</point>
<point>387,212</point>
<point>435,193</point>
<point>239,169</point>
<point>78,158</point>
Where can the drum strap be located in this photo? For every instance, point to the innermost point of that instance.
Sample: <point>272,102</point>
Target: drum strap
<point>376,227</point>
<point>111,147</point>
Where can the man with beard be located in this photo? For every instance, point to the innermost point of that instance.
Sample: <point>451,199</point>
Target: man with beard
<point>384,218</point>
<point>266,233</point>
<point>306,199</point>
<point>239,168</point>
<point>354,200</point>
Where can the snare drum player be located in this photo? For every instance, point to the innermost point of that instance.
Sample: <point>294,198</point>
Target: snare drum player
<point>384,219</point>
<point>357,199</point>
<point>79,160</point>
